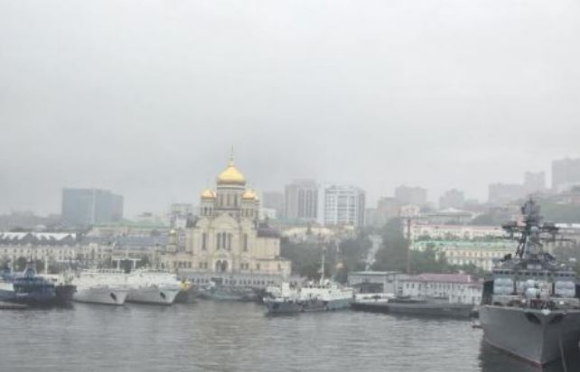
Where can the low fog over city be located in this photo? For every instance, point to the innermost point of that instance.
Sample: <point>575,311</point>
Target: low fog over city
<point>147,97</point>
<point>304,185</point>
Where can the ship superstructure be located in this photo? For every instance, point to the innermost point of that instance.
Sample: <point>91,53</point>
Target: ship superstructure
<point>530,306</point>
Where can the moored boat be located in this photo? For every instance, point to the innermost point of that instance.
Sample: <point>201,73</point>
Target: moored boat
<point>220,292</point>
<point>429,307</point>
<point>530,306</point>
<point>311,297</point>
<point>101,286</point>
<point>308,298</point>
<point>187,294</point>
<point>33,290</point>
<point>153,287</point>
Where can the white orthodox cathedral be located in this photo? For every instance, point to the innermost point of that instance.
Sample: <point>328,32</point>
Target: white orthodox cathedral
<point>227,237</point>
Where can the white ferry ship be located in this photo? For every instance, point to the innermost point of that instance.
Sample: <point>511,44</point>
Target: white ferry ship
<point>101,286</point>
<point>153,286</point>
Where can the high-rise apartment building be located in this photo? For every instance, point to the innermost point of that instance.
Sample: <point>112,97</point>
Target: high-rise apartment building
<point>302,200</point>
<point>411,195</point>
<point>84,207</point>
<point>565,174</point>
<point>342,205</point>
<point>452,199</point>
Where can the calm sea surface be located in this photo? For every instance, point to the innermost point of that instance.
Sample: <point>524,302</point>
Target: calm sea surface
<point>226,336</point>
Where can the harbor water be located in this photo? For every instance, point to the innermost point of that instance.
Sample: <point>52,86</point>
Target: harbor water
<point>229,336</point>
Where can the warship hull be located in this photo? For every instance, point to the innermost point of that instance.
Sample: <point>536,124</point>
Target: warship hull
<point>538,336</point>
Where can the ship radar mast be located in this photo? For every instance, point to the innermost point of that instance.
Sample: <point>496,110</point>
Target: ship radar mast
<point>531,234</point>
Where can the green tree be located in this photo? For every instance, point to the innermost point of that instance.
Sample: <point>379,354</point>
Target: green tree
<point>393,254</point>
<point>429,261</point>
<point>305,257</point>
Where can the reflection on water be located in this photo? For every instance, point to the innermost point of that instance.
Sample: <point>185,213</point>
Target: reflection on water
<point>210,336</point>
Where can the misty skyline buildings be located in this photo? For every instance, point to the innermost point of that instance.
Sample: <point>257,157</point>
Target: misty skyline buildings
<point>565,174</point>
<point>85,207</point>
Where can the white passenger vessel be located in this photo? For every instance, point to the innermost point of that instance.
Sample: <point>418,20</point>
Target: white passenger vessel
<point>101,286</point>
<point>153,286</point>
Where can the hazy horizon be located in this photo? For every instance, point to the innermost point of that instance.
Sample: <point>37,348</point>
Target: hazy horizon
<point>146,98</point>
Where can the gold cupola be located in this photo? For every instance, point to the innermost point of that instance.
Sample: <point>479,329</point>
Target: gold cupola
<point>231,176</point>
<point>249,195</point>
<point>208,194</point>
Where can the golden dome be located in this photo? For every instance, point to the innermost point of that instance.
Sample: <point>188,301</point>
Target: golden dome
<point>208,194</point>
<point>249,195</point>
<point>231,176</point>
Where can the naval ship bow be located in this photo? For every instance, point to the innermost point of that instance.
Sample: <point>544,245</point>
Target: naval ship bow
<point>530,304</point>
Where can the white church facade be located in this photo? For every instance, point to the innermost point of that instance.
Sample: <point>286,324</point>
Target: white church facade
<point>227,239</point>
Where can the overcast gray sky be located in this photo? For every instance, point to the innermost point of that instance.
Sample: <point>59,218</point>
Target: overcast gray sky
<point>146,97</point>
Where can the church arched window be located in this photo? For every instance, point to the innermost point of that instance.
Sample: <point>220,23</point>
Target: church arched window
<point>245,242</point>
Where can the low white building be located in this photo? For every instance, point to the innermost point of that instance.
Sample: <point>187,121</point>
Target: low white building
<point>51,247</point>
<point>463,232</point>
<point>449,216</point>
<point>466,252</point>
<point>459,288</point>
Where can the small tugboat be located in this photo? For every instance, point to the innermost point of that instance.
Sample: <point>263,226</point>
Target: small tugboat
<point>530,306</point>
<point>33,290</point>
<point>64,288</point>
<point>187,294</point>
<point>324,296</point>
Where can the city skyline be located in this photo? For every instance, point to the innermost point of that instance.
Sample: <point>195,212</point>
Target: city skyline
<point>152,114</point>
<point>133,212</point>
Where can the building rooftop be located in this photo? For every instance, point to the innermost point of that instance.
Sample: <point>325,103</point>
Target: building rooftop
<point>38,238</point>
<point>467,243</point>
<point>441,278</point>
<point>375,273</point>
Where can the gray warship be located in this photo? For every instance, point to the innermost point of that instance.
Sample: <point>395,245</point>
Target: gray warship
<point>530,306</point>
